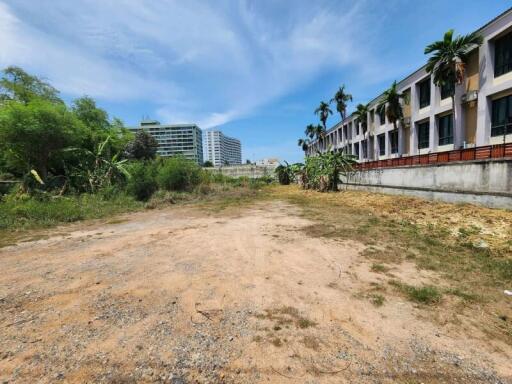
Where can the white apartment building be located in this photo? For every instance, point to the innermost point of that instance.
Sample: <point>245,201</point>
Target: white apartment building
<point>175,139</point>
<point>221,149</point>
<point>483,106</point>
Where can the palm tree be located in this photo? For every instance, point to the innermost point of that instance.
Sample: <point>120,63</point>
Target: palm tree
<point>323,111</point>
<point>341,98</point>
<point>310,131</point>
<point>304,143</point>
<point>361,114</point>
<point>447,64</point>
<point>390,104</point>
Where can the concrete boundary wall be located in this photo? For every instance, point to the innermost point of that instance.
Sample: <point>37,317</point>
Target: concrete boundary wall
<point>484,182</point>
<point>247,170</point>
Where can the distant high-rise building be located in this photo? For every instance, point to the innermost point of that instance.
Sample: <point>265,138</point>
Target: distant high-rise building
<point>222,150</point>
<point>175,139</point>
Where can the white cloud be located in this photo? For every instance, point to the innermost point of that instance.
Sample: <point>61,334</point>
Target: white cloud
<point>208,62</point>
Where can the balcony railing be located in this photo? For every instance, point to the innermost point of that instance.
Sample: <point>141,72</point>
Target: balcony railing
<point>498,151</point>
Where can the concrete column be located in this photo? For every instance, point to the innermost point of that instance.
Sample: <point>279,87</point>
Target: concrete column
<point>387,146</point>
<point>458,126</point>
<point>400,139</point>
<point>483,124</point>
<point>413,143</point>
<point>433,134</point>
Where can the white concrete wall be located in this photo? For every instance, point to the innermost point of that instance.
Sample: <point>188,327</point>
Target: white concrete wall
<point>249,170</point>
<point>486,178</point>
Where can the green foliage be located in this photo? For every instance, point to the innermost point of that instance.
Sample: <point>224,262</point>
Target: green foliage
<point>208,164</point>
<point>99,127</point>
<point>93,117</point>
<point>17,85</point>
<point>42,209</point>
<point>284,174</point>
<point>142,183</point>
<point>142,147</point>
<point>322,171</point>
<point>377,299</point>
<point>97,169</point>
<point>426,294</point>
<point>179,174</point>
<point>32,134</point>
<point>287,173</point>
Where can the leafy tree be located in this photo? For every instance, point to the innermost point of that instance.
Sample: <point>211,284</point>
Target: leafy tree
<point>142,147</point>
<point>448,61</point>
<point>391,105</point>
<point>208,164</point>
<point>99,126</point>
<point>361,113</point>
<point>341,98</point>
<point>18,85</point>
<point>248,161</point>
<point>323,111</point>
<point>32,134</point>
<point>88,112</point>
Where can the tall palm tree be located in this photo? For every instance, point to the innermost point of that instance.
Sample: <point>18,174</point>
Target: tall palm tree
<point>323,111</point>
<point>319,134</point>
<point>341,98</point>
<point>390,104</point>
<point>361,114</point>
<point>310,131</point>
<point>304,144</point>
<point>447,64</point>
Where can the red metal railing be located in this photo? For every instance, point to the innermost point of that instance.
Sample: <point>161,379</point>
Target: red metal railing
<point>477,153</point>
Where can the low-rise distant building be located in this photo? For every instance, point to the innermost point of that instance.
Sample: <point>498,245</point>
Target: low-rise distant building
<point>222,150</point>
<point>175,139</point>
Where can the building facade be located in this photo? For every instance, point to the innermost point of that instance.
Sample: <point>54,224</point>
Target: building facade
<point>482,106</point>
<point>175,139</point>
<point>221,149</point>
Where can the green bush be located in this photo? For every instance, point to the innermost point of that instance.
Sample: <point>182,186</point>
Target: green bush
<point>179,174</point>
<point>142,183</point>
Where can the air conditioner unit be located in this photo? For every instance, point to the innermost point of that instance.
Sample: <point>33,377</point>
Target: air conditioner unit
<point>469,96</point>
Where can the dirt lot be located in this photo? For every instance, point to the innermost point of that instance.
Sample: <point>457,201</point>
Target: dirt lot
<point>247,294</point>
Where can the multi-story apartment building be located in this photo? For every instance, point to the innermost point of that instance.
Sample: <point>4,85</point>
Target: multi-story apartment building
<point>222,150</point>
<point>483,106</point>
<point>175,139</point>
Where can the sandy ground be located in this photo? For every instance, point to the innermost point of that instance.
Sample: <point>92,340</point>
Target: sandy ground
<point>183,296</point>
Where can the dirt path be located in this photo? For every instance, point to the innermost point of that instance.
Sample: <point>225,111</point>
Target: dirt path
<point>180,296</point>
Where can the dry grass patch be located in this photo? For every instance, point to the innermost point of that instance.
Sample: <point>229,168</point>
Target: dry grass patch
<point>286,316</point>
<point>466,246</point>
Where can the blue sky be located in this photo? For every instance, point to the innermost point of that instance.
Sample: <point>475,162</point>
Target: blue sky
<point>255,69</point>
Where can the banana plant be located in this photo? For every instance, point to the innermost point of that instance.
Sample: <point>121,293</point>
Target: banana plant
<point>98,168</point>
